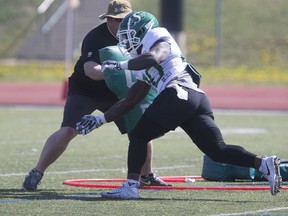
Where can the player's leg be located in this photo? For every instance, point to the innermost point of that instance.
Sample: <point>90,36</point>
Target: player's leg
<point>208,138</point>
<point>148,177</point>
<point>147,167</point>
<point>163,115</point>
<point>75,108</point>
<point>136,157</point>
<point>54,147</point>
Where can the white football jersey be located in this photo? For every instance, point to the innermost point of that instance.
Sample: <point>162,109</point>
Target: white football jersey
<point>169,72</point>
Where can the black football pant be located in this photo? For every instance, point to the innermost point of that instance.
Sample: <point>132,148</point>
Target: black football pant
<point>195,117</point>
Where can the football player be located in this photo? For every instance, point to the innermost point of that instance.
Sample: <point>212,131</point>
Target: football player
<point>158,62</point>
<point>87,92</point>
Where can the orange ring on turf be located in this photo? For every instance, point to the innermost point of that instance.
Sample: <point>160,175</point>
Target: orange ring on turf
<point>87,183</point>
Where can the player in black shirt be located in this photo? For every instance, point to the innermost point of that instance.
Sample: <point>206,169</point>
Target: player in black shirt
<point>87,92</point>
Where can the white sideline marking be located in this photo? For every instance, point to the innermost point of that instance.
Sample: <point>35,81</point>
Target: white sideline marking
<point>243,130</point>
<point>254,212</point>
<point>238,131</point>
<point>124,170</point>
<point>245,112</point>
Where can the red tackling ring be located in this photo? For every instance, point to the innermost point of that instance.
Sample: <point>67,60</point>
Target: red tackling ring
<point>90,183</point>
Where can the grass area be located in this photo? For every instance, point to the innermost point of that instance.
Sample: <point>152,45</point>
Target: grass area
<point>102,154</point>
<point>39,71</point>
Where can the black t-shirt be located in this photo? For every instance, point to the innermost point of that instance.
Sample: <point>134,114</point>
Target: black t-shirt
<point>79,83</point>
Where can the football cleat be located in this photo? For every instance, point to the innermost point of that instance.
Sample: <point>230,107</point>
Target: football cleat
<point>129,190</point>
<point>270,167</point>
<point>152,180</point>
<point>32,180</point>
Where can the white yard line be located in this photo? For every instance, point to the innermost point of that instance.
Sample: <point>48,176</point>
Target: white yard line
<point>216,111</point>
<point>254,212</point>
<point>124,169</point>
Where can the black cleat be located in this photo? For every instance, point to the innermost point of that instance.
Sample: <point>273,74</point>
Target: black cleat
<point>152,180</point>
<point>32,180</point>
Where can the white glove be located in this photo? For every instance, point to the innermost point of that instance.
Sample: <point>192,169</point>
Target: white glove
<point>89,123</point>
<point>114,65</point>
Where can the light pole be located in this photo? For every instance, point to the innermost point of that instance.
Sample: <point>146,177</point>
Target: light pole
<point>71,6</point>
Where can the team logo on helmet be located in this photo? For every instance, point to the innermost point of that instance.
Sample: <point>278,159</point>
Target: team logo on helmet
<point>133,29</point>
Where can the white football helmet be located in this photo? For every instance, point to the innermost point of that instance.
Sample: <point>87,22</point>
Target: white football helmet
<point>132,30</point>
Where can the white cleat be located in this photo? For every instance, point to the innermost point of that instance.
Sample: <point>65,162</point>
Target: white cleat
<point>129,190</point>
<point>270,167</point>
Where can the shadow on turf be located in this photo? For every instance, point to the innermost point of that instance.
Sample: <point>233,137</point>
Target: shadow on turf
<point>19,195</point>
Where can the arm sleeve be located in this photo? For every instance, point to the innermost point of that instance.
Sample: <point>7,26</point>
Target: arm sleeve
<point>90,48</point>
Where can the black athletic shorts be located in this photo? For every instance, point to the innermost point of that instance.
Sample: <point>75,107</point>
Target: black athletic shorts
<point>170,111</point>
<point>78,105</point>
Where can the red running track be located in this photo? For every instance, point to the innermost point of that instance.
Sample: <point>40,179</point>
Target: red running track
<point>221,97</point>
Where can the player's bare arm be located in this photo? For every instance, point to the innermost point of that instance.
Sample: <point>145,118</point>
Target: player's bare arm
<point>136,94</point>
<point>157,54</point>
<point>93,70</point>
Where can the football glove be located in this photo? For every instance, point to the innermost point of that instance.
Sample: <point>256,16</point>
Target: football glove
<point>111,64</point>
<point>89,123</point>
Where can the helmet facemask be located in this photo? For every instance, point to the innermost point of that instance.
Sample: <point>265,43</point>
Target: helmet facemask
<point>128,42</point>
<point>132,30</point>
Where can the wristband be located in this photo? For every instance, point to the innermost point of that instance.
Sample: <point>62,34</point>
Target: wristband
<point>102,118</point>
<point>124,64</point>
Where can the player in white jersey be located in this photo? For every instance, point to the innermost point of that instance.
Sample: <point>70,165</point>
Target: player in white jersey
<point>159,63</point>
